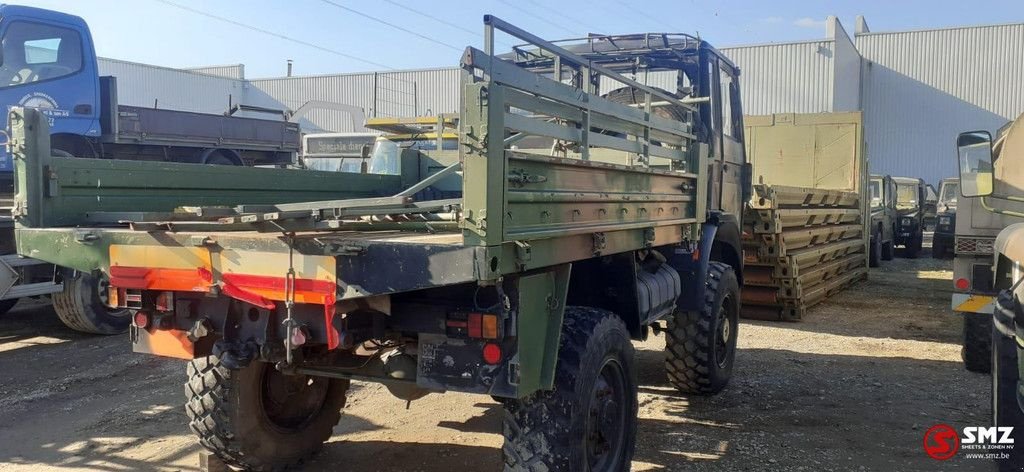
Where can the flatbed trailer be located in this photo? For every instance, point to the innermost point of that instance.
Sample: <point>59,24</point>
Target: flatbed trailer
<point>528,288</point>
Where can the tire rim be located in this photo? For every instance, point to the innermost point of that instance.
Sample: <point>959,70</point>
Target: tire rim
<point>290,402</point>
<point>724,333</point>
<point>103,292</point>
<point>606,422</point>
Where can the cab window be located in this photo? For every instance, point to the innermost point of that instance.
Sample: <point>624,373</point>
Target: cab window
<point>34,52</point>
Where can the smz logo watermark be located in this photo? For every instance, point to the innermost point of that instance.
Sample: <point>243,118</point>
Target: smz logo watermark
<point>941,442</point>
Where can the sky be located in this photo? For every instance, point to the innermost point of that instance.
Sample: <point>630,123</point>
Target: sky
<point>338,36</point>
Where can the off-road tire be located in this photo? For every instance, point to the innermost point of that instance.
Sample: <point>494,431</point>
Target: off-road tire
<point>876,251</point>
<point>938,248</point>
<point>910,249</point>
<point>6,305</point>
<point>888,251</point>
<point>977,342</point>
<point>546,431</point>
<point>1005,410</point>
<point>694,360</point>
<point>226,411</point>
<point>80,307</point>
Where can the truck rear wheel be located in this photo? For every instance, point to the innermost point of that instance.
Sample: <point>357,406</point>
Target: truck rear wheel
<point>81,305</point>
<point>700,347</point>
<point>588,421</point>
<point>257,418</point>
<point>888,251</point>
<point>977,348</point>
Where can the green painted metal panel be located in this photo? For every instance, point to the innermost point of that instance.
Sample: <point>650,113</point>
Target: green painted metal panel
<point>541,308</point>
<point>60,191</point>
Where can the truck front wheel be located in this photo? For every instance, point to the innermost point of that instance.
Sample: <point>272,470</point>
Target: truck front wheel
<point>977,348</point>
<point>700,346</point>
<point>257,418</point>
<point>81,305</point>
<point>588,421</point>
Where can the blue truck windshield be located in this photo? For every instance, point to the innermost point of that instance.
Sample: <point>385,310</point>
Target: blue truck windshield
<point>34,52</point>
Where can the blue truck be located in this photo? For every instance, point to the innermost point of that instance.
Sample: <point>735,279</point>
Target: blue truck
<point>48,62</point>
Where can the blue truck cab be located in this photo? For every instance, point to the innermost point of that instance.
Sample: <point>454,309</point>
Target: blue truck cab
<point>48,62</point>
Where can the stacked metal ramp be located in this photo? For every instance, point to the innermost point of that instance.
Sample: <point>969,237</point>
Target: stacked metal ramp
<point>801,245</point>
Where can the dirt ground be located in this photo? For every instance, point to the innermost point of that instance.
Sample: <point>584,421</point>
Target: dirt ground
<point>852,387</point>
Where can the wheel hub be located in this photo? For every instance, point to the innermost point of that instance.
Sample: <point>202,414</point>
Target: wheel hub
<point>290,401</point>
<point>723,335</point>
<point>606,422</point>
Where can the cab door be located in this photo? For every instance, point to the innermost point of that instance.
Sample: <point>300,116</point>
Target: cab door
<point>730,169</point>
<point>51,66</point>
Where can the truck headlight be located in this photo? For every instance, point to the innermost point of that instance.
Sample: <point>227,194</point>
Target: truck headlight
<point>943,220</point>
<point>907,222</point>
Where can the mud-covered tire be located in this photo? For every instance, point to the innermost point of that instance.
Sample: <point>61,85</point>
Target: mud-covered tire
<point>81,308</point>
<point>976,351</point>
<point>700,347</point>
<point>229,411</point>
<point>548,430</point>
<point>876,250</point>
<point>6,305</point>
<point>888,251</point>
<point>1005,410</point>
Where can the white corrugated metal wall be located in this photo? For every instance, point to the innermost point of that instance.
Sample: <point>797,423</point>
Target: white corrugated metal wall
<point>789,77</point>
<point>231,71</point>
<point>922,88</point>
<point>146,85</point>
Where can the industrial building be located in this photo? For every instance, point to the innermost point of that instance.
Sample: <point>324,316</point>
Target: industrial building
<point>917,89</point>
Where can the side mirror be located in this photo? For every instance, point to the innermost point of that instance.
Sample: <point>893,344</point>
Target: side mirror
<point>365,151</point>
<point>974,150</point>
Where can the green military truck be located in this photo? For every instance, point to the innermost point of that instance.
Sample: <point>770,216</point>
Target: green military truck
<point>945,218</point>
<point>528,287</point>
<point>993,174</point>
<point>910,203</point>
<point>882,191</point>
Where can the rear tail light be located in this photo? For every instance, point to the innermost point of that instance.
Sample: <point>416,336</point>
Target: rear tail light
<point>474,325</point>
<point>963,284</point>
<point>492,353</point>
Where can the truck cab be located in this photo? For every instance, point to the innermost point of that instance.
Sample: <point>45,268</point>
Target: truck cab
<point>48,62</point>
<point>883,218</point>
<point>910,203</point>
<point>945,217</point>
<point>991,173</point>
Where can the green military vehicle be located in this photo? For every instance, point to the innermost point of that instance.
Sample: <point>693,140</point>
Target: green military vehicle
<point>945,219</point>
<point>882,190</point>
<point>528,287</point>
<point>993,174</point>
<point>910,201</point>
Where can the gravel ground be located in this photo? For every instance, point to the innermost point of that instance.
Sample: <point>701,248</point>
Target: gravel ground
<point>852,387</point>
